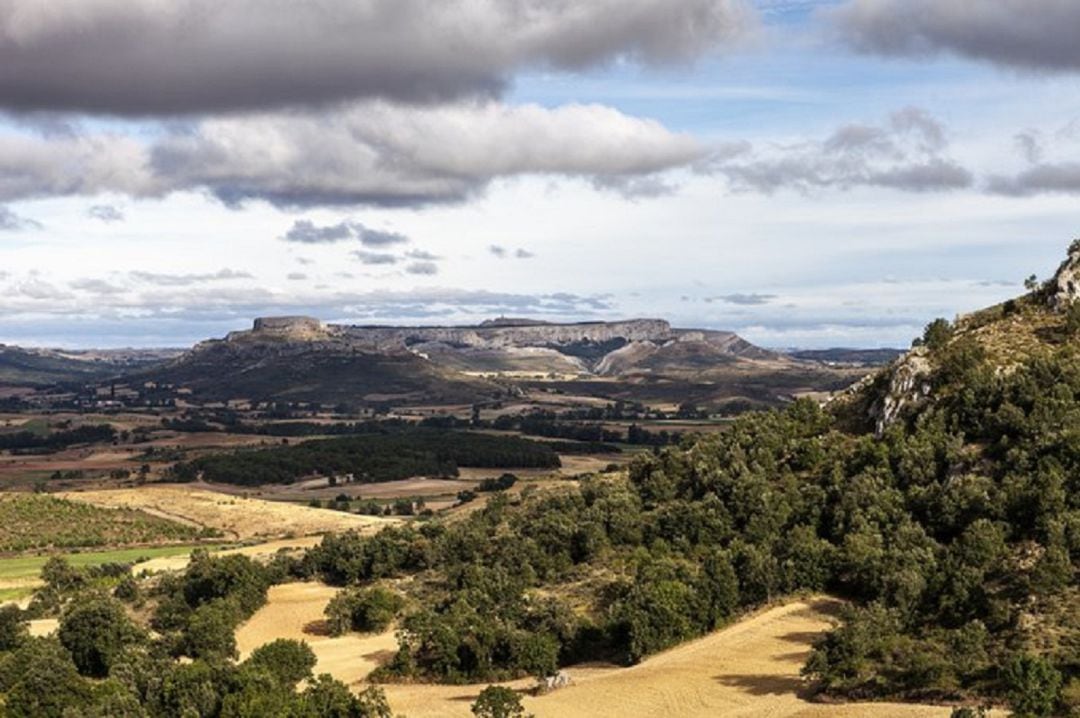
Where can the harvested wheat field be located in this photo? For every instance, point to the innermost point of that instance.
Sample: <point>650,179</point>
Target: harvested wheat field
<point>748,670</point>
<point>295,610</point>
<point>235,516</point>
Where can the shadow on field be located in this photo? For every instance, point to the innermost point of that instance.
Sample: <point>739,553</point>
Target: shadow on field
<point>757,685</point>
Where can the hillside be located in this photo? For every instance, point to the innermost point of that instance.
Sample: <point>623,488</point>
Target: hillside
<point>302,359</point>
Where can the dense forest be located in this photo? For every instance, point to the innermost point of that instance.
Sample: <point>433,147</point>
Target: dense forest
<point>29,441</point>
<point>370,458</point>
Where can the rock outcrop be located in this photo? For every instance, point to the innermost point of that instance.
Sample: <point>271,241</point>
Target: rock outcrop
<point>1065,286</point>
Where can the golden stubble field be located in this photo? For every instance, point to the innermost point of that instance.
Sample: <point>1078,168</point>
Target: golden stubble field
<point>748,670</point>
<point>237,517</point>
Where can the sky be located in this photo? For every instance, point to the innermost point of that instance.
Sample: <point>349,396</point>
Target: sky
<point>807,173</point>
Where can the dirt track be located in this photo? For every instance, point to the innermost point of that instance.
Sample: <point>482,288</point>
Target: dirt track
<point>748,670</point>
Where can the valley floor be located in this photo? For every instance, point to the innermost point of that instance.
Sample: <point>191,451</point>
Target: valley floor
<point>750,669</point>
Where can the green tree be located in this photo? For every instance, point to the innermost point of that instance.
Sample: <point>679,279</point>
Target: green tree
<point>97,631</point>
<point>498,702</point>
<point>1032,685</point>
<point>287,661</point>
<point>367,609</point>
<point>13,627</point>
<point>937,334</point>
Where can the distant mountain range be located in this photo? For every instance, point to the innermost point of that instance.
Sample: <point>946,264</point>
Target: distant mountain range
<point>304,359</point>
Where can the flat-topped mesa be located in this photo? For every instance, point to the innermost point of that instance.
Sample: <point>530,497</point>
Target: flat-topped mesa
<point>282,329</point>
<point>499,335</point>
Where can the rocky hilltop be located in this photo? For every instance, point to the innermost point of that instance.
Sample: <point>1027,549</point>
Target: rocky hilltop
<point>1006,335</point>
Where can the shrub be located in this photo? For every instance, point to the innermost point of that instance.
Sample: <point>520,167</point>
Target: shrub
<point>498,702</point>
<point>368,610</point>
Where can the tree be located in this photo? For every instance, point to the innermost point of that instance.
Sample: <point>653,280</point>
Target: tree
<point>1031,283</point>
<point>1032,685</point>
<point>937,334</point>
<point>13,627</point>
<point>498,702</point>
<point>209,633</point>
<point>45,683</point>
<point>287,661</point>
<point>368,610</point>
<point>97,631</point>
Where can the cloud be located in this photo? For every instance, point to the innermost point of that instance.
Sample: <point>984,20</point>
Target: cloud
<point>377,238</point>
<point>375,154</point>
<point>1043,172</point>
<point>382,154</point>
<point>501,252</point>
<point>422,255</point>
<point>296,276</point>
<point>105,213</point>
<point>142,57</point>
<point>96,286</point>
<point>1035,35</point>
<point>305,231</point>
<point>746,300</point>
<point>184,280</point>
<point>904,153</point>
<point>422,268</point>
<point>367,257</point>
<point>11,222</point>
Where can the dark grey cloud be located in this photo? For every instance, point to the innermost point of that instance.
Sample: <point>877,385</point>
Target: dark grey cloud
<point>907,153</point>
<point>184,280</point>
<point>1035,35</point>
<point>422,268</point>
<point>11,222</point>
<point>106,213</point>
<point>377,238</point>
<point>202,56</point>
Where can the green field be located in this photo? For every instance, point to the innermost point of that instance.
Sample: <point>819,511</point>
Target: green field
<point>22,567</point>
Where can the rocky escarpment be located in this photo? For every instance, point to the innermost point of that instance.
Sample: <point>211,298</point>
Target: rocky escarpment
<point>1064,288</point>
<point>605,348</point>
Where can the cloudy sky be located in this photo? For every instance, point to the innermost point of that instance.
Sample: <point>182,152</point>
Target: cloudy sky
<point>805,172</point>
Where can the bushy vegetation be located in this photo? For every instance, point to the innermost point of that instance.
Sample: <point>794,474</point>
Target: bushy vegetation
<point>103,664</point>
<point>57,440</point>
<point>956,535</point>
<point>35,521</point>
<point>367,609</point>
<point>372,458</point>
